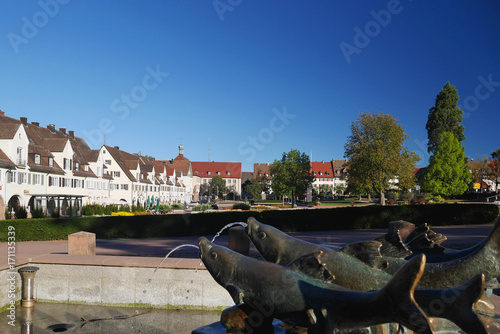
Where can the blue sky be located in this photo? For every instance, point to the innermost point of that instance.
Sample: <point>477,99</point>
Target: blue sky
<point>247,81</point>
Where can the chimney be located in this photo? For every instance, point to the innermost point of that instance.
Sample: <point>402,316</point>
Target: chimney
<point>35,123</point>
<point>71,133</point>
<point>63,130</point>
<point>24,120</point>
<point>51,127</point>
<point>118,147</point>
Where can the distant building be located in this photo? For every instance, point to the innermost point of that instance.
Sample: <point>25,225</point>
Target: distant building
<point>203,172</point>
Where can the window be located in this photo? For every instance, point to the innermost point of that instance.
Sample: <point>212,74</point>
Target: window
<point>19,155</point>
<point>124,186</point>
<point>67,164</point>
<point>51,162</point>
<point>116,174</point>
<point>37,159</point>
<point>53,181</point>
<point>107,162</point>
<point>86,168</point>
<point>22,178</point>
<point>77,166</point>
<point>99,171</point>
<point>11,178</point>
<point>228,173</point>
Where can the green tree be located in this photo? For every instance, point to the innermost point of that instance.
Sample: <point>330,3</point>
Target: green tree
<point>445,116</point>
<point>254,189</point>
<point>377,155</point>
<point>447,174</point>
<point>292,174</point>
<point>480,169</point>
<point>339,189</point>
<point>217,186</point>
<point>495,167</point>
<point>264,183</point>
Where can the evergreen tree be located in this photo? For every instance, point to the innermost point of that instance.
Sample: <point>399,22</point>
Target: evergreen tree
<point>377,155</point>
<point>444,116</point>
<point>447,174</point>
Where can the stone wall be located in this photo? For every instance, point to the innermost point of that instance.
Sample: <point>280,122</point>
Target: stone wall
<point>179,288</point>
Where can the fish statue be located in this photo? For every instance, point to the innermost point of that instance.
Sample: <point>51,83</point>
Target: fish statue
<point>366,272</point>
<point>284,293</point>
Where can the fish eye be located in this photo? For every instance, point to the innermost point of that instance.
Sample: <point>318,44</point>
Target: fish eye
<point>262,234</point>
<point>214,255</point>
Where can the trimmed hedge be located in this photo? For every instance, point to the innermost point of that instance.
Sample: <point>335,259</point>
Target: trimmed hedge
<point>109,227</point>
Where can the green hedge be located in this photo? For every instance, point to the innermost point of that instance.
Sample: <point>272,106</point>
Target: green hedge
<point>199,224</point>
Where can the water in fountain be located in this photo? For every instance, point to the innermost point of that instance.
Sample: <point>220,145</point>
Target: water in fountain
<point>189,245</point>
<point>166,256</point>
<point>173,250</point>
<point>228,226</point>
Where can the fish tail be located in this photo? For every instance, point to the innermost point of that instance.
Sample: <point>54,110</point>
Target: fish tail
<point>456,304</point>
<point>400,290</point>
<point>493,241</point>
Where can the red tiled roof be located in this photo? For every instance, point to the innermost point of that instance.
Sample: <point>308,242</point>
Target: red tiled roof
<point>322,169</point>
<point>211,169</point>
<point>5,161</point>
<point>8,130</point>
<point>123,159</point>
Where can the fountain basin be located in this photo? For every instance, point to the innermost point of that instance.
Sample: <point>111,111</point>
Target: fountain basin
<point>58,318</point>
<point>121,281</point>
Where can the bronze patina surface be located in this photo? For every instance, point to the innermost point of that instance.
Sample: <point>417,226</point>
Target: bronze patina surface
<point>283,293</point>
<point>349,271</point>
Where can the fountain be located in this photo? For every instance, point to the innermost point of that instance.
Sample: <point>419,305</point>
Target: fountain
<point>306,290</point>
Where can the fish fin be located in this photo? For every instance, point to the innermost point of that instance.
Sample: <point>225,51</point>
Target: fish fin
<point>416,232</point>
<point>467,295</point>
<point>393,245</point>
<point>312,265</point>
<point>368,252</point>
<point>236,293</point>
<point>400,289</point>
<point>455,304</point>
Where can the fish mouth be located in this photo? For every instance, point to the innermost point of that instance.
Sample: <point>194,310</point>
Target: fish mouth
<point>252,226</point>
<point>204,245</point>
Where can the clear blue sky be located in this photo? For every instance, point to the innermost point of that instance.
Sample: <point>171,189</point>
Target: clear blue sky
<point>249,80</point>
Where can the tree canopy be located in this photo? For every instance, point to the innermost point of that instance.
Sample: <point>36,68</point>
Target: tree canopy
<point>447,174</point>
<point>292,174</point>
<point>254,189</point>
<point>376,155</point>
<point>495,167</point>
<point>217,186</point>
<point>445,116</point>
